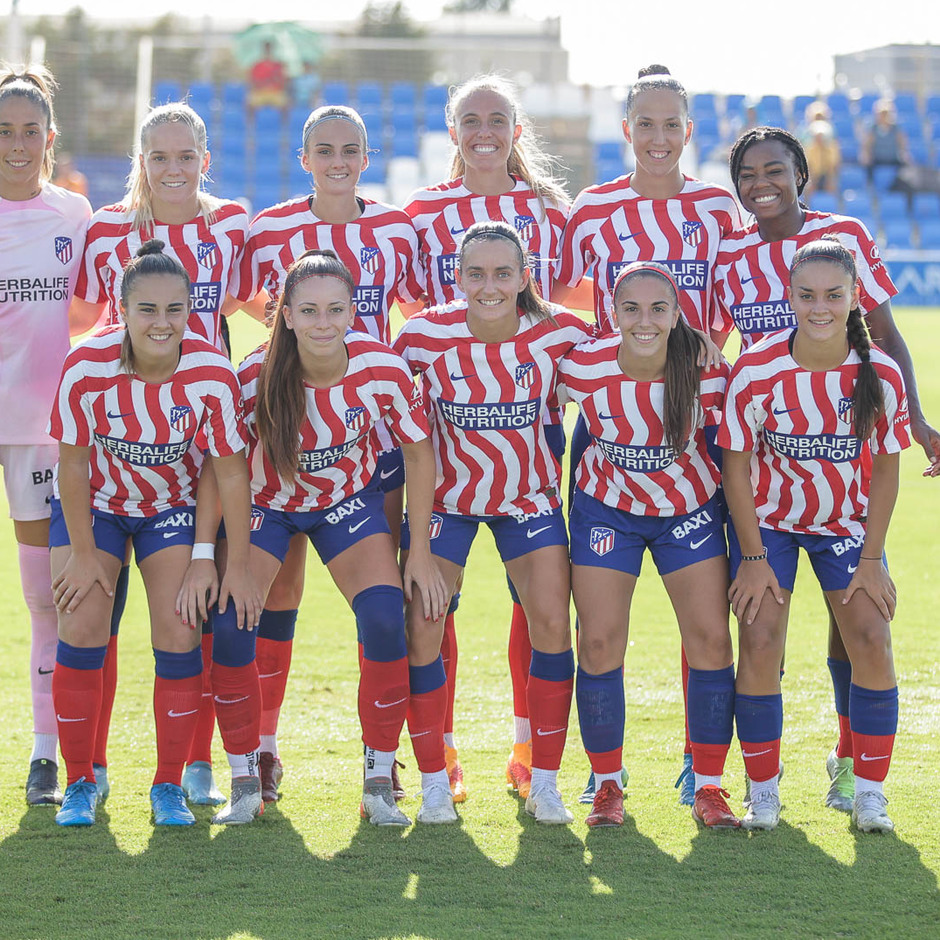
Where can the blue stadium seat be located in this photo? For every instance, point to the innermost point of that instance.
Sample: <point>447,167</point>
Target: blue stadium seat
<point>930,234</point>
<point>166,91</point>
<point>234,94</point>
<point>404,138</point>
<point>844,128</point>
<point>898,233</point>
<point>932,108</point>
<point>435,100</point>
<point>267,125</point>
<point>770,111</point>
<point>335,93</point>
<point>800,104</point>
<point>892,206</point>
<point>926,206</point>
<point>609,150</point>
<point>849,150</point>
<point>707,127</point>
<point>734,106</point>
<point>920,153</point>
<point>906,104</point>
<point>605,170</point>
<point>200,98</point>
<point>376,170</point>
<point>375,128</point>
<point>852,176</point>
<point>838,104</point>
<point>883,177</point>
<point>370,99</point>
<point>703,105</point>
<point>858,203</point>
<point>912,126</point>
<point>404,95</point>
<point>298,179</point>
<point>296,118</point>
<point>824,202</point>
<point>865,105</point>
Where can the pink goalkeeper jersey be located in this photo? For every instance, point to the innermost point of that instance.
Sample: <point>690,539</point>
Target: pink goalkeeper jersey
<point>338,445</point>
<point>611,225</point>
<point>147,439</point>
<point>486,402</point>
<point>808,469</point>
<point>208,252</point>
<point>628,465</point>
<point>41,243</point>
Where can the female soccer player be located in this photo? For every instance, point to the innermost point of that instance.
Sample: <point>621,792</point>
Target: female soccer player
<point>378,245</point>
<point>498,173</point>
<point>656,213</point>
<point>801,406</point>
<point>206,235</point>
<point>135,410</point>
<point>42,231</point>
<point>313,398</point>
<point>769,170</point>
<point>487,366</point>
<point>647,481</point>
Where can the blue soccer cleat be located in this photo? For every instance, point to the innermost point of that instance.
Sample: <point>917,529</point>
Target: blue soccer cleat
<point>78,804</point>
<point>199,785</point>
<point>169,806</point>
<point>102,782</point>
<point>686,782</point>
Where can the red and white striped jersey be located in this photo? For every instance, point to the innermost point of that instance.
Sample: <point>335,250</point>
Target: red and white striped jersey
<point>338,444</point>
<point>628,465</point>
<point>380,249</point>
<point>752,275</point>
<point>41,242</point>
<point>612,225</point>
<point>208,252</point>
<point>807,470</point>
<point>442,213</point>
<point>147,439</point>
<point>486,403</point>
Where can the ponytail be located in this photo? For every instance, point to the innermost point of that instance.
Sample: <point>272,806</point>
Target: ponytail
<point>868,401</point>
<point>36,84</point>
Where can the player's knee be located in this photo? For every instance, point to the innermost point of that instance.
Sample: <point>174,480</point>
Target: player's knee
<point>231,646</point>
<point>380,620</point>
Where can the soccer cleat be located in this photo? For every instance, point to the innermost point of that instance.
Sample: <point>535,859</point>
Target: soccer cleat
<point>271,771</point>
<point>589,792</point>
<point>455,774</point>
<point>608,806</point>
<point>710,809</point>
<point>42,784</point>
<point>398,790</point>
<point>245,803</point>
<point>868,812</point>
<point>519,769</point>
<point>747,786</point>
<point>169,806</point>
<point>686,782</point>
<point>199,785</point>
<point>102,782</point>
<point>378,804</point>
<point>841,772</point>
<point>78,804</point>
<point>763,812</point>
<point>546,806</point>
<point>437,806</point>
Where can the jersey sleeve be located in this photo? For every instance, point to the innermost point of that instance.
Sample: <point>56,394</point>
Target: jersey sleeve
<point>223,431</point>
<point>90,283</point>
<point>404,408</point>
<point>891,433</point>
<point>877,286</point>
<point>71,420</point>
<point>574,256</point>
<point>410,286</point>
<point>712,387</point>
<point>740,419</point>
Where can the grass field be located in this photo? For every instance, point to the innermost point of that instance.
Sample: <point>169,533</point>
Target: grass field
<point>309,868</point>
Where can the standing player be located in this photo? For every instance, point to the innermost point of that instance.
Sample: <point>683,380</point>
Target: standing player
<point>313,398</point>
<point>801,406</point>
<point>42,232</point>
<point>498,173</point>
<point>136,409</point>
<point>656,213</point>
<point>206,235</point>
<point>769,170</point>
<point>647,481</point>
<point>378,245</point>
<point>487,366</point>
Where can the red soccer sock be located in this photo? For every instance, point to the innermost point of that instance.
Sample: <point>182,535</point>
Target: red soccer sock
<point>426,727</point>
<point>708,760</point>
<point>108,689</point>
<point>845,747</point>
<point>383,702</point>
<point>872,755</point>
<point>606,762</point>
<point>761,759</point>
<point>449,656</point>
<point>520,656</point>
<point>685,701</point>
<point>549,707</point>
<point>201,748</point>
<point>76,694</point>
<point>237,697</point>
<point>176,707</point>
<point>273,658</point>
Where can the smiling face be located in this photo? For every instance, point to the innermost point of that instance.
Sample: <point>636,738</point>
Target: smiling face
<point>485,131</point>
<point>492,275</point>
<point>155,313</point>
<point>768,184</point>
<point>645,311</point>
<point>335,156</point>
<point>320,311</point>
<point>173,164</point>
<point>822,293</point>
<point>24,139</point>
<point>658,128</point>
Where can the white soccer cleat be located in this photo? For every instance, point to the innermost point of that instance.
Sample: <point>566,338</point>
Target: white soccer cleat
<point>546,806</point>
<point>841,772</point>
<point>868,812</point>
<point>437,806</point>
<point>763,812</point>
<point>378,804</point>
<point>244,804</point>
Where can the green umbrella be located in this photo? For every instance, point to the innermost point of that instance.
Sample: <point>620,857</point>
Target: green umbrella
<point>291,43</point>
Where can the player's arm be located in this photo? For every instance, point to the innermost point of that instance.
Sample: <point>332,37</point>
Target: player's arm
<point>256,308</point>
<point>885,333</point>
<point>579,297</point>
<point>754,578</point>
<point>83,316</point>
<point>83,569</point>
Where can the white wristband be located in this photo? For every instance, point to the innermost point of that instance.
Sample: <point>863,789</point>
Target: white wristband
<point>203,551</point>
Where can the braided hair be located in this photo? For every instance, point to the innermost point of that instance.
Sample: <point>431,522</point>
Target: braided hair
<point>757,135</point>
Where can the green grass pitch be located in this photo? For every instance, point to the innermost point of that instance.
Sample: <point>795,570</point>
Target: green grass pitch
<point>309,868</point>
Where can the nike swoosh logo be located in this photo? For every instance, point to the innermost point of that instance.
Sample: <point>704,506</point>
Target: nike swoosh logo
<point>747,280</point>
<point>385,474</point>
<point>784,411</point>
<point>269,675</point>
<point>457,231</point>
<point>628,236</point>
<point>174,714</point>
<point>45,672</point>
<point>230,701</point>
<point>756,753</point>
<point>867,757</point>
<point>604,417</point>
<point>359,525</point>
<point>460,378</point>
<point>694,545</point>
<point>171,535</point>
<point>378,704</point>
<point>60,718</point>
<point>126,414</point>
<point>543,734</point>
<point>534,532</point>
<point>852,569</point>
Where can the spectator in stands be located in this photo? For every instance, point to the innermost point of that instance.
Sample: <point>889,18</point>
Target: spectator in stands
<point>885,144</point>
<point>822,151</point>
<point>305,86</point>
<point>68,176</point>
<point>268,82</point>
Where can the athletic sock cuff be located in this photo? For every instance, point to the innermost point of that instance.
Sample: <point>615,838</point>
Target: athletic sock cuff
<point>178,665</point>
<point>277,625</point>
<point>80,657</point>
<point>552,667</point>
<point>429,678</point>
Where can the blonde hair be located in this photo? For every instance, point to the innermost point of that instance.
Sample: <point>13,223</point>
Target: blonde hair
<point>138,199</point>
<point>527,160</point>
<point>36,84</point>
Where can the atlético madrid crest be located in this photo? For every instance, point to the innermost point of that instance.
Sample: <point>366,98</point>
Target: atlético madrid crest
<point>525,226</point>
<point>434,527</point>
<point>207,254</point>
<point>181,418</point>
<point>369,259</point>
<point>257,520</point>
<point>692,233</point>
<point>525,374</point>
<point>602,540</point>
<point>355,418</point>
<point>63,248</point>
